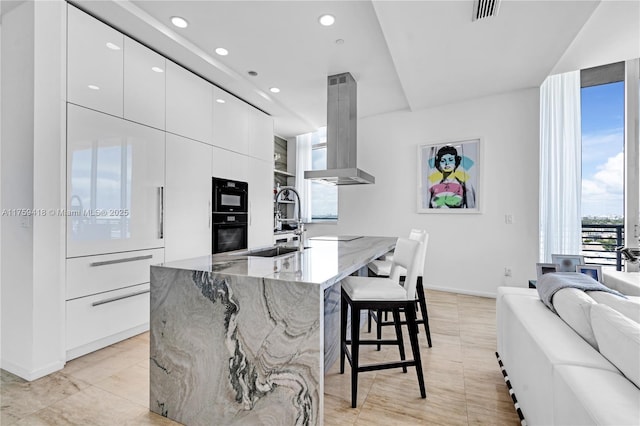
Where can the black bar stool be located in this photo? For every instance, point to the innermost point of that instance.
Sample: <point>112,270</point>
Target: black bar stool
<point>371,293</point>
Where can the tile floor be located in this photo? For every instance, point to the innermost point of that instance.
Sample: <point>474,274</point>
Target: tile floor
<point>464,383</point>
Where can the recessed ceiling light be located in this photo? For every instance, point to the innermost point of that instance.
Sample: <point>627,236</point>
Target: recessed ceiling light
<point>93,87</point>
<point>157,69</point>
<point>179,22</point>
<point>113,46</point>
<point>220,101</point>
<point>222,51</point>
<point>274,90</point>
<point>327,20</point>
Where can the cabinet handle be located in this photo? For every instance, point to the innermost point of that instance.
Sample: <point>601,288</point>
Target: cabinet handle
<point>161,212</point>
<point>126,259</point>
<point>250,215</point>
<point>209,213</point>
<point>116,298</point>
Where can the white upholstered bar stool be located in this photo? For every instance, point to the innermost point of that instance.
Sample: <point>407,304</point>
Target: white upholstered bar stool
<point>372,293</point>
<point>382,268</point>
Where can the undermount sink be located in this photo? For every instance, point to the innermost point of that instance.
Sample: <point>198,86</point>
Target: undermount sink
<point>272,251</point>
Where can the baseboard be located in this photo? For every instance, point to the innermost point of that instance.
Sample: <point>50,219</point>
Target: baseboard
<point>31,375</point>
<point>461,291</point>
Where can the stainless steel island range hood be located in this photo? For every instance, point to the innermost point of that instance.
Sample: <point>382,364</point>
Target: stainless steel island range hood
<point>341,135</point>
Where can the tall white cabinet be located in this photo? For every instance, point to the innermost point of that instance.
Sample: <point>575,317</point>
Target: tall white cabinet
<point>144,138</point>
<point>188,198</point>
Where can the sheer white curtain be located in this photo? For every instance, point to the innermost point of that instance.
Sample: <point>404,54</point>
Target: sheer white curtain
<point>560,165</point>
<point>303,162</point>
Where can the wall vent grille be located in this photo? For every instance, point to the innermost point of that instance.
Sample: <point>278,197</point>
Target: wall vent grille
<point>485,9</point>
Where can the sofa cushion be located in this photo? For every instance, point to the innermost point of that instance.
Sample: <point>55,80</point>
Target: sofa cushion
<point>574,307</point>
<point>618,339</point>
<point>629,307</point>
<point>592,396</point>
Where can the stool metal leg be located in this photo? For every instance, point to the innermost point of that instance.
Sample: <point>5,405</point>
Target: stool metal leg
<point>398,326</point>
<point>355,352</point>
<point>423,309</point>
<point>410,313</point>
<point>379,325</point>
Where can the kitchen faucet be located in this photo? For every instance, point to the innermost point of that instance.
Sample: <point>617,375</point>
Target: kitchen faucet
<point>300,228</point>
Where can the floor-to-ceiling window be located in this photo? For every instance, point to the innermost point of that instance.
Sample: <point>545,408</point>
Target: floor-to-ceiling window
<point>610,163</point>
<point>602,204</point>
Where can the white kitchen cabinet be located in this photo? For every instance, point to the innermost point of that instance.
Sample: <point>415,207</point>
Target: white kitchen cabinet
<point>90,275</point>
<point>144,85</point>
<point>99,320</point>
<point>230,122</point>
<point>187,199</point>
<point>189,104</point>
<point>115,184</point>
<point>260,135</point>
<point>94,63</point>
<point>260,180</point>
<point>230,165</point>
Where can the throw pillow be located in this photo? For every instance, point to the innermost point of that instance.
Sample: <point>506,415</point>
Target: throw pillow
<point>618,339</point>
<point>627,307</point>
<point>574,307</point>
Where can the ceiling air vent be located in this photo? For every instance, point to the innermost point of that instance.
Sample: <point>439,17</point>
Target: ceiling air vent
<point>485,9</point>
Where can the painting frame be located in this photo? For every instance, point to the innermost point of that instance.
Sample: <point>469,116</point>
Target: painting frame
<point>567,262</point>
<point>545,268</point>
<point>594,271</point>
<point>449,176</point>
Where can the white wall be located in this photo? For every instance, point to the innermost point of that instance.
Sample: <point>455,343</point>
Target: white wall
<point>467,253</point>
<point>32,175</point>
<point>611,34</point>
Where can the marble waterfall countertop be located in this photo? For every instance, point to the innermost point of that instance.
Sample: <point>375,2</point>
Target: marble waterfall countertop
<point>239,339</point>
<point>324,261</point>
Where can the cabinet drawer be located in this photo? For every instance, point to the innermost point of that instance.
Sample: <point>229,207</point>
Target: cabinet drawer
<point>97,274</point>
<point>97,317</point>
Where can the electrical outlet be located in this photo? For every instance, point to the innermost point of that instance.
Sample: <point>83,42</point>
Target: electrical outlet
<point>507,271</point>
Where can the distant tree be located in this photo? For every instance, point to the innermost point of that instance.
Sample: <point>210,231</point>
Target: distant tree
<point>609,244</point>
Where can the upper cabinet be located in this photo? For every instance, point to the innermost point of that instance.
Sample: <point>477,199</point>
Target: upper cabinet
<point>95,63</point>
<point>144,85</point>
<point>189,104</point>
<point>260,135</point>
<point>230,122</point>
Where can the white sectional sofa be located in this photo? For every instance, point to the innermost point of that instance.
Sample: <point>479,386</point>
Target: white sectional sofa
<point>558,378</point>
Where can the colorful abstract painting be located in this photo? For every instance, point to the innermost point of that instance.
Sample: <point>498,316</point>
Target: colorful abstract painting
<point>449,177</point>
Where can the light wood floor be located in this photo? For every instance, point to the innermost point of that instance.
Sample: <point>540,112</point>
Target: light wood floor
<point>464,383</point>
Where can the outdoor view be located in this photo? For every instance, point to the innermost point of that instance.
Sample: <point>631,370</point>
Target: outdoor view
<point>324,197</point>
<point>602,171</point>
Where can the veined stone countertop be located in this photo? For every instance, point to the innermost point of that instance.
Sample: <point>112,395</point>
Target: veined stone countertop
<point>323,262</point>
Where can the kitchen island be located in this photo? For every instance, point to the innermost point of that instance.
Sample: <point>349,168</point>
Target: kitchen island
<point>241,339</point>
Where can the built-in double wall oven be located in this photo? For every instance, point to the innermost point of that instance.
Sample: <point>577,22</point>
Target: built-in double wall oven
<point>230,214</point>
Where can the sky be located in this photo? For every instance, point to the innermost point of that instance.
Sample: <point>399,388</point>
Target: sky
<point>602,150</point>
